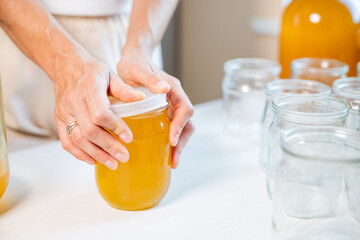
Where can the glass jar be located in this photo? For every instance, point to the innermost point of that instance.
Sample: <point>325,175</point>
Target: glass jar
<point>321,29</point>
<point>243,93</point>
<point>302,110</point>
<point>348,89</point>
<point>141,182</point>
<point>316,192</point>
<point>276,89</point>
<point>319,69</point>
<point>4,163</point>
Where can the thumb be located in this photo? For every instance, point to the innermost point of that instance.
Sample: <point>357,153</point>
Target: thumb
<point>147,75</point>
<point>122,91</point>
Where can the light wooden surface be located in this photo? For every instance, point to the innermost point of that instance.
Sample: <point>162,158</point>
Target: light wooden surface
<point>218,192</point>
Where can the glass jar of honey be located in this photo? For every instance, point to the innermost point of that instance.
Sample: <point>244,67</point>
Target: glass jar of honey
<point>141,182</point>
<point>319,29</point>
<point>4,164</point>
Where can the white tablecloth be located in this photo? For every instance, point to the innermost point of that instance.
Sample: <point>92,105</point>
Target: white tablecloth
<point>218,192</point>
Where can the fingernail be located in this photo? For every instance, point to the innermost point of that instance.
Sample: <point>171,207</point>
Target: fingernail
<point>176,162</point>
<point>121,157</point>
<point>89,161</point>
<point>162,85</point>
<point>125,137</point>
<point>140,95</point>
<point>176,139</point>
<point>112,165</point>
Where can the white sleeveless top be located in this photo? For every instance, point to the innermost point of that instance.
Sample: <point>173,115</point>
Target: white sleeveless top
<point>87,7</point>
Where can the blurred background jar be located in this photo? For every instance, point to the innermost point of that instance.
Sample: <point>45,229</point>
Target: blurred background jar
<point>319,69</point>
<point>302,110</point>
<point>243,93</point>
<point>4,164</point>
<point>279,88</point>
<point>143,180</point>
<point>320,29</point>
<point>348,89</point>
<point>310,199</point>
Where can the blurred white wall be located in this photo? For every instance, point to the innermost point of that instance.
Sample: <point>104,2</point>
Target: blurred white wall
<point>206,33</point>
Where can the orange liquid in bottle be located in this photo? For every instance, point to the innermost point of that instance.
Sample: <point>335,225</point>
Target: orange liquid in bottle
<point>4,180</point>
<point>318,28</point>
<point>143,181</point>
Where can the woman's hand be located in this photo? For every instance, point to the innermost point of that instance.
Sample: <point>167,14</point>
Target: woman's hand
<point>135,69</point>
<point>81,91</point>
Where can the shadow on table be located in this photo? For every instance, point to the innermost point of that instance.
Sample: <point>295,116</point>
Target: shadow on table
<point>14,194</point>
<point>205,161</point>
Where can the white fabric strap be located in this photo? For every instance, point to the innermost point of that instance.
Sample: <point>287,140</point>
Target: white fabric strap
<point>87,7</point>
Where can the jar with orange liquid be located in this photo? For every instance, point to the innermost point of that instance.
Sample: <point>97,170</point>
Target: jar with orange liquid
<point>141,182</point>
<point>4,164</point>
<point>321,29</point>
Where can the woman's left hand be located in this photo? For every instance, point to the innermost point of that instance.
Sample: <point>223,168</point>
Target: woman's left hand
<point>135,69</point>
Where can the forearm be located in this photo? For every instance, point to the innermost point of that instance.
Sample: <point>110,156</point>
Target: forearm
<point>38,35</point>
<point>148,22</point>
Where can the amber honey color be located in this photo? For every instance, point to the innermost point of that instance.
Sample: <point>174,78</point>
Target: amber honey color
<point>321,29</point>
<point>143,181</point>
<point>4,180</point>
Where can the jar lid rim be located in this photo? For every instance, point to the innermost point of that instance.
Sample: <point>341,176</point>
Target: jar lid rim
<point>151,102</point>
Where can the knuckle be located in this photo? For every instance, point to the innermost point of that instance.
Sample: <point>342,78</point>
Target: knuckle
<point>89,131</point>
<point>190,110</point>
<point>99,156</point>
<point>65,145</point>
<point>79,140</point>
<point>175,81</point>
<point>99,117</point>
<point>119,128</point>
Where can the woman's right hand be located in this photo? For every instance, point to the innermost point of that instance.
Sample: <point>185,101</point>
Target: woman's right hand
<point>81,90</point>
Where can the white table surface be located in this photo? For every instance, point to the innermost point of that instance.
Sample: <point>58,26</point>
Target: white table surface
<point>217,192</point>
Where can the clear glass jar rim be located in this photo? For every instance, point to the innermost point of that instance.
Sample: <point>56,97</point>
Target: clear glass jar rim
<point>258,64</point>
<point>343,87</point>
<point>341,136</point>
<point>308,117</point>
<point>302,64</point>
<point>273,88</point>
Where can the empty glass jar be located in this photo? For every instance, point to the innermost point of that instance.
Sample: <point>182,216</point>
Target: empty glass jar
<point>243,93</point>
<point>319,69</point>
<point>276,89</point>
<point>302,110</point>
<point>316,192</point>
<point>348,89</point>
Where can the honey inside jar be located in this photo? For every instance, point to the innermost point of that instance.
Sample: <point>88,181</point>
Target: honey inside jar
<point>141,182</point>
<point>318,28</point>
<point>4,180</point>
